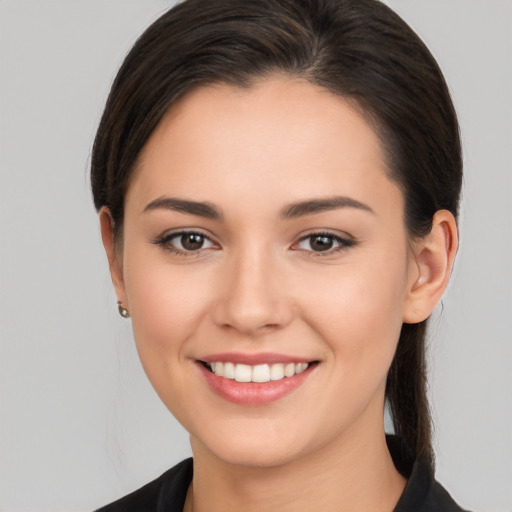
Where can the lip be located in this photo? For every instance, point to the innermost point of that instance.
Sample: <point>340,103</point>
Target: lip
<point>254,393</point>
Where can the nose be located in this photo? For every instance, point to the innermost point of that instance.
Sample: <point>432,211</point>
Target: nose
<point>252,297</point>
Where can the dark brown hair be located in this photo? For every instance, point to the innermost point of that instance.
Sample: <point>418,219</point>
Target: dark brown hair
<point>358,49</point>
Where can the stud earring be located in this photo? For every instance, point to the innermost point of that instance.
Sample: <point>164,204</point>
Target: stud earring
<point>122,310</point>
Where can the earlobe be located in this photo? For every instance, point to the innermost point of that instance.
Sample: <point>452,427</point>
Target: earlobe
<point>431,266</point>
<point>113,257</point>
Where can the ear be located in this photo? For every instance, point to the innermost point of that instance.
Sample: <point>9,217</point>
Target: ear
<point>113,255</point>
<point>430,267</point>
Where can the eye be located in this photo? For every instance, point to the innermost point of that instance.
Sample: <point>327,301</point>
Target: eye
<point>185,242</point>
<point>324,243</point>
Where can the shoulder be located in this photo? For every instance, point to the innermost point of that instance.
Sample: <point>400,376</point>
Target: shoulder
<point>422,492</point>
<point>438,499</point>
<point>165,493</point>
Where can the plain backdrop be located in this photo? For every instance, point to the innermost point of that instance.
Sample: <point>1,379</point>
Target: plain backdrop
<point>79,423</point>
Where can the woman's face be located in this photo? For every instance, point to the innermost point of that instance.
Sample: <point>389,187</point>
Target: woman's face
<point>262,231</point>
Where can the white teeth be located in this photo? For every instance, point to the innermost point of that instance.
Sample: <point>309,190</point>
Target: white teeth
<point>229,371</point>
<point>261,373</point>
<point>300,367</point>
<point>219,369</point>
<point>243,373</point>
<point>289,370</point>
<point>277,371</point>
<point>257,373</point>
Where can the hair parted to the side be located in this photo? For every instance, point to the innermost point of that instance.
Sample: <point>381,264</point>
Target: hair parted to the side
<point>358,49</point>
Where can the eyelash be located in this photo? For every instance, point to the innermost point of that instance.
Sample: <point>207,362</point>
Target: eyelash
<point>165,243</point>
<point>343,243</point>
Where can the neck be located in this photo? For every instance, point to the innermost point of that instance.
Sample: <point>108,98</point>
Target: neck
<point>355,474</point>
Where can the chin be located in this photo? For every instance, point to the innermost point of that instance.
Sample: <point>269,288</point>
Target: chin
<point>262,450</point>
<point>256,456</point>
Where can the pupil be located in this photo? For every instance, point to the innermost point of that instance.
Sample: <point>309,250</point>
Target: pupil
<point>191,241</point>
<point>321,243</point>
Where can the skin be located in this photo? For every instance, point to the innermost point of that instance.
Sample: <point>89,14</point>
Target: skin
<point>257,285</point>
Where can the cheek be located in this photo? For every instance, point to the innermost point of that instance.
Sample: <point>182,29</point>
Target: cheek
<point>166,304</point>
<point>357,309</point>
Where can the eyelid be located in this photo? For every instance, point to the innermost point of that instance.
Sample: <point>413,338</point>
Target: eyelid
<point>344,241</point>
<point>164,241</point>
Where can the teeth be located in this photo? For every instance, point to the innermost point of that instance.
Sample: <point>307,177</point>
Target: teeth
<point>277,371</point>
<point>257,373</point>
<point>300,367</point>
<point>229,371</point>
<point>289,370</point>
<point>243,373</point>
<point>218,368</point>
<point>260,373</point>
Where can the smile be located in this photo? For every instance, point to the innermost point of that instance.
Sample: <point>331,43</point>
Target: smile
<point>255,380</point>
<point>256,373</point>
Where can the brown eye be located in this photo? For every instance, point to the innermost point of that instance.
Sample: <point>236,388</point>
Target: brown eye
<point>321,243</point>
<point>192,241</point>
<point>324,243</point>
<point>185,243</point>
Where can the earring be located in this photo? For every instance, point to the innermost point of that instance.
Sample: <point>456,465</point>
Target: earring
<point>122,310</point>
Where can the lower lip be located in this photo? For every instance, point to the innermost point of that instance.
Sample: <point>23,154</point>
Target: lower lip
<point>254,393</point>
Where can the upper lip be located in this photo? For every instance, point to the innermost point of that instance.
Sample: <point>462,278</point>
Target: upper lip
<point>254,359</point>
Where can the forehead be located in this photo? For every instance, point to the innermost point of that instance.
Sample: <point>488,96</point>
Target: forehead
<point>280,137</point>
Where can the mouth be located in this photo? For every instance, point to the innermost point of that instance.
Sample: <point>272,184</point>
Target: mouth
<point>238,381</point>
<point>258,373</point>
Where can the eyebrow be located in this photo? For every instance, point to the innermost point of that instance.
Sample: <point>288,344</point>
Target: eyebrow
<point>320,205</point>
<point>292,211</point>
<point>201,209</point>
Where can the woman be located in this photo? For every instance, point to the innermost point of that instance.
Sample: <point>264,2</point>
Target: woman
<point>278,186</point>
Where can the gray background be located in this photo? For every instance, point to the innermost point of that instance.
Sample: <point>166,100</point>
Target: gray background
<point>79,424</point>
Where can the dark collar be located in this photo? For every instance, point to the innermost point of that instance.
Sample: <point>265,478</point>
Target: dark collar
<point>418,473</point>
<point>422,492</point>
